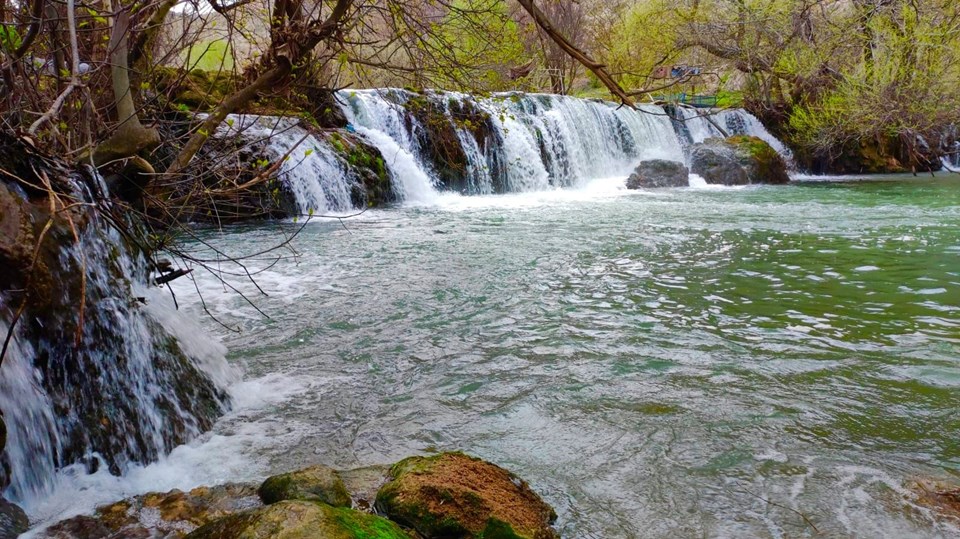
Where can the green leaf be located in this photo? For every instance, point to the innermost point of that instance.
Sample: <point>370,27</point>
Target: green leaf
<point>9,38</point>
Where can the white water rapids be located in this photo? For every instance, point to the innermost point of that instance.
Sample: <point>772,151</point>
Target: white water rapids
<point>535,142</point>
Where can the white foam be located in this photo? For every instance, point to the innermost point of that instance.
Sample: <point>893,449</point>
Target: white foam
<point>230,454</point>
<point>411,183</point>
<point>698,182</point>
<point>594,190</point>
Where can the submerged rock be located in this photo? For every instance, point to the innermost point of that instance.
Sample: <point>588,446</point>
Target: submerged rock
<point>942,497</point>
<point>659,173</point>
<point>300,519</point>
<point>316,483</point>
<point>738,160</point>
<point>13,521</point>
<point>454,496</point>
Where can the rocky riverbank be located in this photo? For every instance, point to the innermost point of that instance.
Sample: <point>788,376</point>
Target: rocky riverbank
<point>445,496</point>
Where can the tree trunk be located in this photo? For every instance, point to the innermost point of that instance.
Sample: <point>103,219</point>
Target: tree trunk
<point>285,55</point>
<point>130,137</point>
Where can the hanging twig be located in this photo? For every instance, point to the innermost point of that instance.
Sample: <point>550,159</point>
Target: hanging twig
<point>75,81</point>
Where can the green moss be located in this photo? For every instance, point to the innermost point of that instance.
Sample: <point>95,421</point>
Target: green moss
<point>274,489</point>
<point>498,529</point>
<point>316,483</point>
<point>365,526</point>
<point>300,520</point>
<point>762,162</point>
<point>756,147</point>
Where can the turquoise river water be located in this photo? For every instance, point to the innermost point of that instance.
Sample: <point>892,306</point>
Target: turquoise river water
<point>683,363</point>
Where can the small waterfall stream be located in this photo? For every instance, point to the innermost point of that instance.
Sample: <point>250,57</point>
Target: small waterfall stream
<point>697,125</point>
<point>950,146</point>
<point>98,373</point>
<point>311,169</point>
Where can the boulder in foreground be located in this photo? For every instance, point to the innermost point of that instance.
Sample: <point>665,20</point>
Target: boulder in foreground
<point>455,496</point>
<point>300,520</point>
<point>13,521</point>
<point>158,515</point>
<point>316,483</point>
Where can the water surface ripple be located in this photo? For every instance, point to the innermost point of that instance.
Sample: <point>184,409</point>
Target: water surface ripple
<point>686,363</point>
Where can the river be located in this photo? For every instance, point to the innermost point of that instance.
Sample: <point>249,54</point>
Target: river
<point>713,362</point>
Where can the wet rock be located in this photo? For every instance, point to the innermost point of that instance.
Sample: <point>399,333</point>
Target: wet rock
<point>300,519</point>
<point>715,162</point>
<point>365,163</point>
<point>942,497</point>
<point>4,466</point>
<point>169,515</point>
<point>316,483</point>
<point>455,496</point>
<point>13,521</point>
<point>738,160</point>
<point>657,173</point>
<point>74,272</point>
<point>363,484</point>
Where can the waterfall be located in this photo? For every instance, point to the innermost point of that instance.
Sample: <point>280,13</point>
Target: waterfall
<point>950,147</point>
<point>319,179</point>
<point>33,443</point>
<point>506,142</point>
<point>92,375</point>
<point>695,127</point>
<point>438,141</point>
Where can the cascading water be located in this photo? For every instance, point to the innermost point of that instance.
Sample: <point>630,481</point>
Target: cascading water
<point>950,147</point>
<point>697,125</point>
<point>92,375</point>
<point>320,181</point>
<point>33,444</point>
<point>507,142</point>
<point>446,141</point>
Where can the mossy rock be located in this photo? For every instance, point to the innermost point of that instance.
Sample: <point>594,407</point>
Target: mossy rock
<point>762,163</point>
<point>316,483</point>
<point>13,521</point>
<point>365,163</point>
<point>300,520</point>
<point>738,160</point>
<point>172,514</point>
<point>455,496</point>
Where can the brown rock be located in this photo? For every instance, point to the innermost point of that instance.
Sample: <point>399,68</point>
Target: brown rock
<point>455,496</point>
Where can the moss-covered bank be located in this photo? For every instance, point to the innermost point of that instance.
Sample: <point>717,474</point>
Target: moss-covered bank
<point>462,496</point>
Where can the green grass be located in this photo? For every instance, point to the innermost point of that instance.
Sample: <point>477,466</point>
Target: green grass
<point>210,56</point>
<point>728,100</point>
